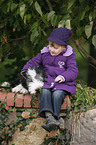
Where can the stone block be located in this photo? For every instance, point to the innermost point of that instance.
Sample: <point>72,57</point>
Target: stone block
<point>2,97</point>
<point>19,100</point>
<point>27,100</point>
<point>10,99</point>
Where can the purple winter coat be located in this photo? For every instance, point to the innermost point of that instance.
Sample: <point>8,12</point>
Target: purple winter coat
<point>64,64</point>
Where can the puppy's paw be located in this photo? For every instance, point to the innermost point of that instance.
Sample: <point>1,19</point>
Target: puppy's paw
<point>19,89</point>
<point>5,84</point>
<point>32,91</point>
<point>23,91</point>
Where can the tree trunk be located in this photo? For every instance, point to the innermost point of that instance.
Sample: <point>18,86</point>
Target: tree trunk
<point>92,70</point>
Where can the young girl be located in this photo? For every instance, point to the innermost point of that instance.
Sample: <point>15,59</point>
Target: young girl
<point>58,61</point>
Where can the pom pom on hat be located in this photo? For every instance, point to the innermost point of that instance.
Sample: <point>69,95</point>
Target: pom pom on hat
<point>60,36</point>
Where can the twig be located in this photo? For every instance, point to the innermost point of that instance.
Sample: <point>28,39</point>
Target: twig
<point>17,39</point>
<point>49,5</point>
<point>80,49</point>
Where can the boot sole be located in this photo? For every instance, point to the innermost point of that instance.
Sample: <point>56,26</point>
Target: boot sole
<point>50,127</point>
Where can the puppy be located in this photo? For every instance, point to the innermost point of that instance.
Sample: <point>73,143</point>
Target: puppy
<point>30,83</point>
<point>34,80</point>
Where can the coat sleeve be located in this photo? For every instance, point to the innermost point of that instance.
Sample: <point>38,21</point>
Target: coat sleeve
<point>71,69</point>
<point>35,61</point>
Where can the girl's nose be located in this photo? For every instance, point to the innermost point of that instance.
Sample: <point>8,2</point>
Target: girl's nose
<point>52,48</point>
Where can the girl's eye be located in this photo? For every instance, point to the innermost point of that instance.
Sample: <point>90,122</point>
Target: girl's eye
<point>52,46</point>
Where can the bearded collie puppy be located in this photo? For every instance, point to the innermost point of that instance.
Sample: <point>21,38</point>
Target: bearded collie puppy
<point>30,83</point>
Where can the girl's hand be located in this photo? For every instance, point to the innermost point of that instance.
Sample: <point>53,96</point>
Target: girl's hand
<point>60,79</point>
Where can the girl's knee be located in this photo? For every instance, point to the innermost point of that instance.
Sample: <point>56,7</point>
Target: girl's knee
<point>59,94</point>
<point>45,91</point>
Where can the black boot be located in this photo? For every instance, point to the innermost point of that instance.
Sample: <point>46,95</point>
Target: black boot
<point>50,124</point>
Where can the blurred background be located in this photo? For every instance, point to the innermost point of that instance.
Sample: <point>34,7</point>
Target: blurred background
<point>26,24</point>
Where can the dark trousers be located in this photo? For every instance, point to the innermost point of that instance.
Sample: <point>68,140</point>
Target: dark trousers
<point>51,101</point>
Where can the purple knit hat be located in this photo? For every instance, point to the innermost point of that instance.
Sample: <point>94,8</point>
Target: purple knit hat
<point>60,36</point>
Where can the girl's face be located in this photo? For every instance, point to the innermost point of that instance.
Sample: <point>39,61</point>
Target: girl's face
<point>55,49</point>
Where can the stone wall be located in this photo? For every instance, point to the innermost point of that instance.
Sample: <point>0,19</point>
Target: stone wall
<point>82,127</point>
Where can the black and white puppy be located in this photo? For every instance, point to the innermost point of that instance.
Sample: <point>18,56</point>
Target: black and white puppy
<point>30,83</point>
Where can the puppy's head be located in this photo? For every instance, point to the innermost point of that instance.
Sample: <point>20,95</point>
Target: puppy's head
<point>34,73</point>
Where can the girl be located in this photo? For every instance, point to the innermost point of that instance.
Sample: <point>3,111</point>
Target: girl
<point>58,61</point>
